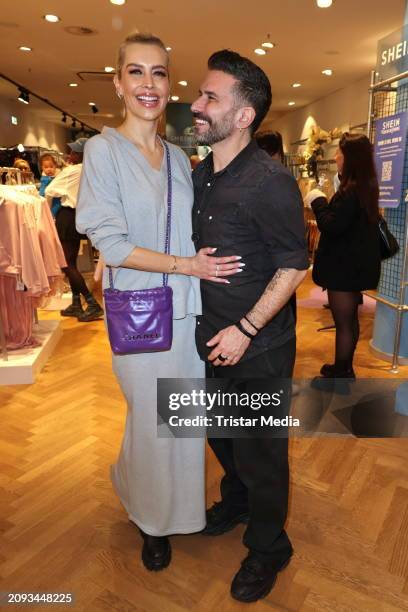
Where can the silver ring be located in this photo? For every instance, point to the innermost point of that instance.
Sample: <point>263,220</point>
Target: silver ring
<point>222,358</point>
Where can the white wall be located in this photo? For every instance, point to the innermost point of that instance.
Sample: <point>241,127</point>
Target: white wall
<point>32,129</point>
<point>343,109</point>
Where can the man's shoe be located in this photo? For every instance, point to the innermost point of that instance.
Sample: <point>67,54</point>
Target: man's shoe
<point>222,517</point>
<point>255,579</point>
<point>156,552</point>
<point>73,310</point>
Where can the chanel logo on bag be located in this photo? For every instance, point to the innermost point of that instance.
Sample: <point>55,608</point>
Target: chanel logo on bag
<point>136,337</point>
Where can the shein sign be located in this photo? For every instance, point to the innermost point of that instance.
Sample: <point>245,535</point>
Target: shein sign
<point>392,55</point>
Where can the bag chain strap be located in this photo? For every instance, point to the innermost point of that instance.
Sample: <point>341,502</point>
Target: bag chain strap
<point>168,223</point>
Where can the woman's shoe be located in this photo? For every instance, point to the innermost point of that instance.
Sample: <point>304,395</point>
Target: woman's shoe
<point>329,371</point>
<point>156,552</point>
<point>75,309</point>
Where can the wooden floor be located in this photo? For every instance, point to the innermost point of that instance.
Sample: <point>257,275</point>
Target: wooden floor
<point>63,530</point>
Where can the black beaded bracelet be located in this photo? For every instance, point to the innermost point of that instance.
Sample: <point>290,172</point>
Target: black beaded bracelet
<point>250,322</point>
<point>243,330</point>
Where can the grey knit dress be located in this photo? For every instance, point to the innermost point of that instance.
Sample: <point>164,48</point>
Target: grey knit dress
<point>122,203</point>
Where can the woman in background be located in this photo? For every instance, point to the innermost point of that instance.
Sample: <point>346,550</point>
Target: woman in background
<point>272,143</point>
<point>348,257</point>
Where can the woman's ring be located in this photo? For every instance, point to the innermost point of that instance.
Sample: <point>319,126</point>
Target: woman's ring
<point>222,357</point>
<point>216,270</point>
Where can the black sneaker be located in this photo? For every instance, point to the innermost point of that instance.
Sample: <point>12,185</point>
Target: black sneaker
<point>73,310</point>
<point>92,313</point>
<point>222,517</point>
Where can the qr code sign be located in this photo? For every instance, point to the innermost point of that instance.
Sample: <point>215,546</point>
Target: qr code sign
<point>386,171</point>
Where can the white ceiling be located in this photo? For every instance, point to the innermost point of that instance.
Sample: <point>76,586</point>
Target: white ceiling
<point>308,39</point>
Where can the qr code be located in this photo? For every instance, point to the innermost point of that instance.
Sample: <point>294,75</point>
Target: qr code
<point>386,171</point>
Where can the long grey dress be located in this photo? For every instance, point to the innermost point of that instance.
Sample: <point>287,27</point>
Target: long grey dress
<point>122,204</point>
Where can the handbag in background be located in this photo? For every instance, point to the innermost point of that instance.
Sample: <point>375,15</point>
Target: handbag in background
<point>388,243</point>
<point>141,321</point>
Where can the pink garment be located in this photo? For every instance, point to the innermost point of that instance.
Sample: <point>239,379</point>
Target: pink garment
<point>53,255</point>
<point>29,245</point>
<point>16,312</point>
<point>31,258</point>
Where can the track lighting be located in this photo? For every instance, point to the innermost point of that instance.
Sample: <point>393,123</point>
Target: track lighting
<point>64,118</point>
<point>94,109</point>
<point>73,123</point>
<point>23,96</point>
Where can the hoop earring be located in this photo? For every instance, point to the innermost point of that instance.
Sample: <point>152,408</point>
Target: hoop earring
<point>120,96</point>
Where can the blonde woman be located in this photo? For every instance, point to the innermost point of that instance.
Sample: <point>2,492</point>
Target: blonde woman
<point>122,207</point>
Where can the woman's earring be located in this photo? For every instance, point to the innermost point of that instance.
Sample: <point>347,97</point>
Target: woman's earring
<point>120,96</point>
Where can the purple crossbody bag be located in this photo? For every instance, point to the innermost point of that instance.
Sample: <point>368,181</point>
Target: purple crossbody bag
<point>141,321</point>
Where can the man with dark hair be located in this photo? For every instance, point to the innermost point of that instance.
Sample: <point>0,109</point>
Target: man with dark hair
<point>247,204</point>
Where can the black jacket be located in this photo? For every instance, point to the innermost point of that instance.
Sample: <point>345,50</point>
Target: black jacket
<point>348,255</point>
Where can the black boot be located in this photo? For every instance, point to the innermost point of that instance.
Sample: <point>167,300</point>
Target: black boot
<point>93,311</point>
<point>156,552</point>
<point>331,371</point>
<point>75,309</point>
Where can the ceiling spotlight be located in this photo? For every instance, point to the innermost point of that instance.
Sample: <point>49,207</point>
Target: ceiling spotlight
<point>175,98</point>
<point>20,148</point>
<point>168,48</point>
<point>118,2</point>
<point>25,48</point>
<point>268,45</point>
<point>260,51</point>
<point>73,84</point>
<point>296,85</point>
<point>327,72</point>
<point>23,96</point>
<point>94,109</point>
<point>109,69</point>
<point>291,103</point>
<point>64,117</point>
<point>183,83</point>
<point>91,103</point>
<point>52,18</point>
<point>324,3</point>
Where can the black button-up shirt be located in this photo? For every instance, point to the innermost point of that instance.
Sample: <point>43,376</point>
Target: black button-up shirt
<point>251,208</point>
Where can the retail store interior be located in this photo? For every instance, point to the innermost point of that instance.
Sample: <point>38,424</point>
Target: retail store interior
<point>62,529</point>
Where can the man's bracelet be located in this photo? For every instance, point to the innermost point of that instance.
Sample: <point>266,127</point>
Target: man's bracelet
<point>243,330</point>
<point>252,325</point>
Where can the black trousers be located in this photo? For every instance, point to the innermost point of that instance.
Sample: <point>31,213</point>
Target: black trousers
<point>256,469</point>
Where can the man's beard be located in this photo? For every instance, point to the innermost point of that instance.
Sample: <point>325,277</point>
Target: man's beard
<point>216,131</point>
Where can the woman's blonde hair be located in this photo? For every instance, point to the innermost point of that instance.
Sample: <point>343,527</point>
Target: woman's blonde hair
<point>142,39</point>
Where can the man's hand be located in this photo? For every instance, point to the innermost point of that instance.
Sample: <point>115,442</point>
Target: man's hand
<point>230,343</point>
